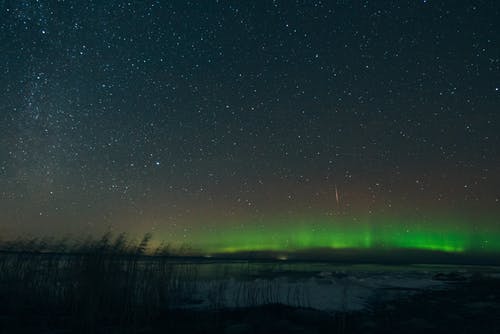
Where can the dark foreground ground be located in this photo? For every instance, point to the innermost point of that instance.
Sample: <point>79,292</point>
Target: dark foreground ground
<point>471,306</point>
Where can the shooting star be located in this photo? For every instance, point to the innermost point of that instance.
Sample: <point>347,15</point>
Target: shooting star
<point>337,197</point>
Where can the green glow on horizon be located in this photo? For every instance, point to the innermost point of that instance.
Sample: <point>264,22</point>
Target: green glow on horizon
<point>446,235</point>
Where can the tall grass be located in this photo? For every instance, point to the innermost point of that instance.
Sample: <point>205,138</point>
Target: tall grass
<point>105,282</point>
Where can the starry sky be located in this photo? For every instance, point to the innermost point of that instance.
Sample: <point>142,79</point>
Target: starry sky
<point>246,125</point>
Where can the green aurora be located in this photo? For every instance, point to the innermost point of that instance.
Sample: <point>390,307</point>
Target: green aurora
<point>451,235</point>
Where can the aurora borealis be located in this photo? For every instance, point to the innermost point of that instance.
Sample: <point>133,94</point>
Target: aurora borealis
<point>229,126</point>
<point>382,234</point>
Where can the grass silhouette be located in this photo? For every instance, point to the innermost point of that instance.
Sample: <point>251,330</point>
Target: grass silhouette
<point>111,281</point>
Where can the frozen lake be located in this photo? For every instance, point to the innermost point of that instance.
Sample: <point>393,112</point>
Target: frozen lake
<point>321,286</point>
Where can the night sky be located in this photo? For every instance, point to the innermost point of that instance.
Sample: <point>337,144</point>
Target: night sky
<point>253,125</point>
